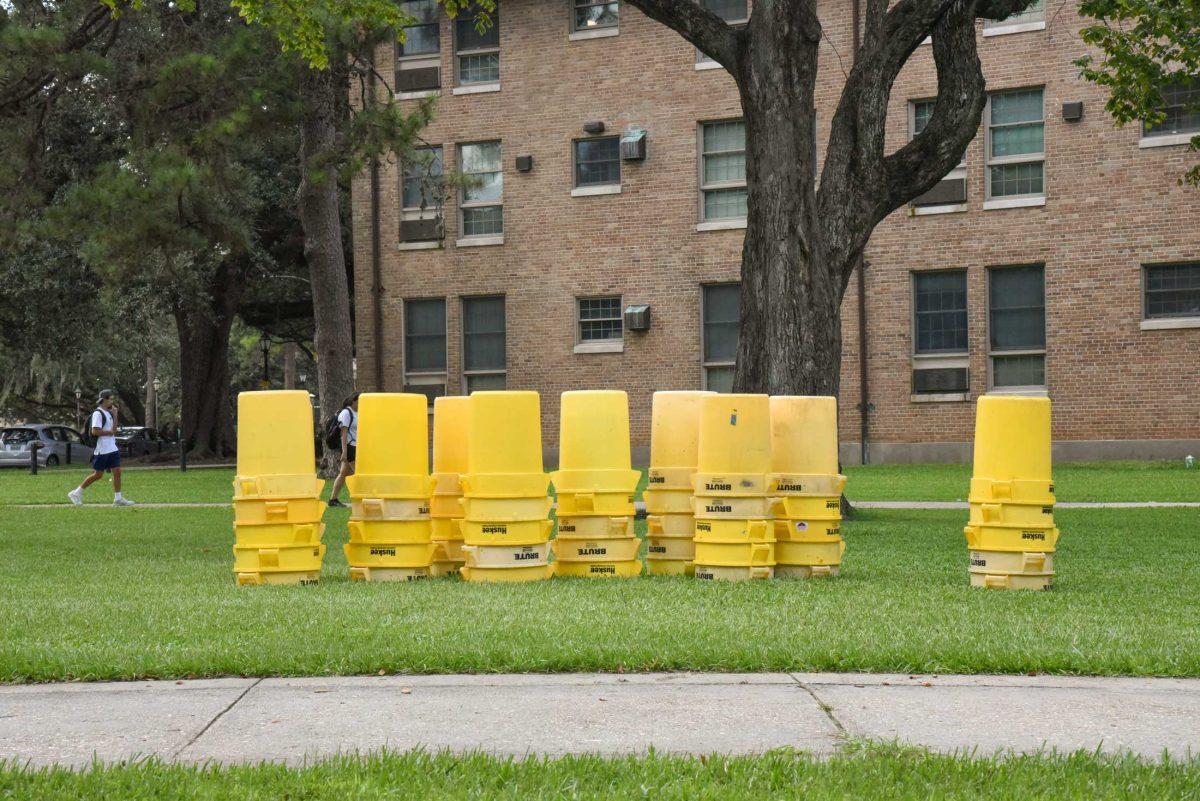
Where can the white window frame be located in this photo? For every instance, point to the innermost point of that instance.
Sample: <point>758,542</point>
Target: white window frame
<point>934,360</point>
<point>1032,389</point>
<point>469,240</point>
<point>599,345</point>
<point>958,173</point>
<point>717,223</point>
<point>430,212</point>
<point>469,374</point>
<point>1162,321</point>
<point>1012,201</point>
<point>421,61</point>
<point>705,363</point>
<point>1021,22</point>
<point>703,62</point>
<point>613,188</point>
<point>576,34</point>
<point>476,87</point>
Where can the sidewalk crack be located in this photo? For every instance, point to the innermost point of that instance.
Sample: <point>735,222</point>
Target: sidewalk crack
<point>826,708</point>
<point>216,717</point>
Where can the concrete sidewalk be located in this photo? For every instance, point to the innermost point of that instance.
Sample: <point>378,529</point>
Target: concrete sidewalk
<point>288,720</point>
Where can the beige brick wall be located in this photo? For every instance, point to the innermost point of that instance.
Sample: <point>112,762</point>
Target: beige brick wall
<point>1110,208</point>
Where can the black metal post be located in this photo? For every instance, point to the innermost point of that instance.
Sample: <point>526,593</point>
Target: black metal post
<point>34,447</point>
<point>69,451</point>
<point>182,451</point>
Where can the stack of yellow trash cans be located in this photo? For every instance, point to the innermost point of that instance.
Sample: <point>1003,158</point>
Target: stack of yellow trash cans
<point>1011,533</point>
<point>390,489</point>
<point>806,486</point>
<point>506,532</point>
<point>276,494</point>
<point>734,535</point>
<point>450,418</point>
<point>595,486</point>
<point>670,524</point>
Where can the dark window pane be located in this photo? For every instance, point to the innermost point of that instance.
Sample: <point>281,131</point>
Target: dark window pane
<point>726,9</point>
<point>487,383</point>
<point>1181,101</point>
<point>721,322</point>
<point>1173,290</point>
<point>597,161</point>
<point>423,178</point>
<point>468,37</point>
<point>1019,371</point>
<point>599,318</point>
<point>1018,308</point>
<point>718,379</point>
<point>941,311</point>
<point>425,335</point>
<point>483,334</point>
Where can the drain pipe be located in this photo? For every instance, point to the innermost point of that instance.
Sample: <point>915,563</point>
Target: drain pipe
<point>861,267</point>
<point>376,256</point>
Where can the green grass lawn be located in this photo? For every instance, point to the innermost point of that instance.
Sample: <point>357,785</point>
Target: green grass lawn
<point>863,772</point>
<point>121,594</point>
<point>1074,481</point>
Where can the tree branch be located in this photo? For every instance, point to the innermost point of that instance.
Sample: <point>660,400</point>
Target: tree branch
<point>699,26</point>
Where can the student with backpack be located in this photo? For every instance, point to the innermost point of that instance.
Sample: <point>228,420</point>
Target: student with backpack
<point>107,457</point>
<point>345,429</point>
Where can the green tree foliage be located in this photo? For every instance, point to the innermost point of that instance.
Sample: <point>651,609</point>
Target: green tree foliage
<point>1144,46</point>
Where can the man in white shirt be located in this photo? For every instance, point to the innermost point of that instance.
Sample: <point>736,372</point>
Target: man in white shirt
<point>107,456</point>
<point>348,422</point>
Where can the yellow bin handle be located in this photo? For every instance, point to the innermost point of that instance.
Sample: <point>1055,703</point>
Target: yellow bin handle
<point>761,572</point>
<point>654,524</point>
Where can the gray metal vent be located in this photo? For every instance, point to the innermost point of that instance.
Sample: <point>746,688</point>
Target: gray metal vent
<point>948,191</point>
<point>940,379</point>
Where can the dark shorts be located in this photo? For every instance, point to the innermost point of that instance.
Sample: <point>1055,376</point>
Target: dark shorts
<point>351,452</point>
<point>106,461</point>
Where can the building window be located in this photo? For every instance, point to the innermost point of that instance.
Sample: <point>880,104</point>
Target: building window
<point>598,161</point>
<point>940,312</point>
<point>1017,326</point>
<point>418,57</point>
<point>484,361</point>
<point>940,362</point>
<point>483,189</point>
<point>723,170</point>
<point>734,12</point>
<point>1036,12</point>
<point>1172,290</point>
<point>951,190</point>
<point>425,347</point>
<point>421,196</point>
<point>719,321</point>
<point>588,15</point>
<point>478,54</point>
<point>1181,105</point>
<point>1016,148</point>
<point>600,319</point>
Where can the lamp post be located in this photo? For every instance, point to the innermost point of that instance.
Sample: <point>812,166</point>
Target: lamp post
<point>78,412</point>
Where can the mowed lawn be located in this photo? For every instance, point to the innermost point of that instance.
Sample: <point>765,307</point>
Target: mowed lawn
<point>1074,481</point>
<point>863,772</point>
<point>120,594</point>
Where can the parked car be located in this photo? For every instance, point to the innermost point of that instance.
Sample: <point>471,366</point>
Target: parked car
<point>138,441</point>
<point>15,442</point>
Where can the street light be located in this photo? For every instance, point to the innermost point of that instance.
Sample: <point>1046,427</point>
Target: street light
<point>78,411</point>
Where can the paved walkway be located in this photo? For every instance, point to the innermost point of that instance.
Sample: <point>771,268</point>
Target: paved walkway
<point>288,720</point>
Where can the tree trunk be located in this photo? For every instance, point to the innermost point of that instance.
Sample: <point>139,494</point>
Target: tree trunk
<point>205,409</point>
<point>289,365</point>
<point>790,341</point>
<point>320,218</point>
<point>151,394</point>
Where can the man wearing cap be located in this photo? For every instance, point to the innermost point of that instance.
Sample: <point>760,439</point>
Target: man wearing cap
<point>107,457</point>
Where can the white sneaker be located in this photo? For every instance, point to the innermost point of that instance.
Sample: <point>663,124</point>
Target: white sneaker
<point>123,502</point>
<point>76,497</point>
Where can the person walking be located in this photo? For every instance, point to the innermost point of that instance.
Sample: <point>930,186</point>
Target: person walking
<point>348,423</point>
<point>107,457</point>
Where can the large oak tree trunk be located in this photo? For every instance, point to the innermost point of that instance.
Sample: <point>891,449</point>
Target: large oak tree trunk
<point>203,326</point>
<point>322,92</point>
<point>790,337</point>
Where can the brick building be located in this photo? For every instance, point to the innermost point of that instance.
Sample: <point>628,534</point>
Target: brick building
<point>1062,257</point>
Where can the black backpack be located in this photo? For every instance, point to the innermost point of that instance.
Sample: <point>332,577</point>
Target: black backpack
<point>333,431</point>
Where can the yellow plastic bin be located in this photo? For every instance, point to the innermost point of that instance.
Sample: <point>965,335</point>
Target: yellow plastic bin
<point>571,528</point>
<point>302,486</point>
<point>362,554</point>
<point>627,569</point>
<point>514,509</point>
<point>734,531</point>
<point>735,554</point>
<point>668,502</point>
<point>375,532</point>
<point>675,430</point>
<point>506,555</point>
<point>389,509</point>
<point>367,573</point>
<point>804,435</point>
<point>670,549</point>
<point>787,571</point>
<point>1011,514</point>
<point>1012,439</point>
<point>620,549</point>
<point>275,434</point>
<point>276,535</point>
<point>671,525</point>
<point>594,445</point>
<point>1005,538</point>
<point>668,567</point>
<point>609,504</point>
<point>735,436</point>
<point>802,507</point>
<point>281,511</point>
<point>1012,581</point>
<point>809,553</point>
<point>522,532</point>
<point>731,507</point>
<point>728,573</point>
<point>807,530</point>
<point>507,574</point>
<point>295,577</point>
<point>504,434</point>
<point>1015,562</point>
<point>292,558</point>
<point>393,434</point>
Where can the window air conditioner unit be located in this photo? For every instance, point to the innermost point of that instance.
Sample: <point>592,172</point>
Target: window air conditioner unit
<point>947,192</point>
<point>419,79</point>
<point>637,317</point>
<point>633,145</point>
<point>939,380</point>
<point>430,391</point>
<point>420,230</point>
